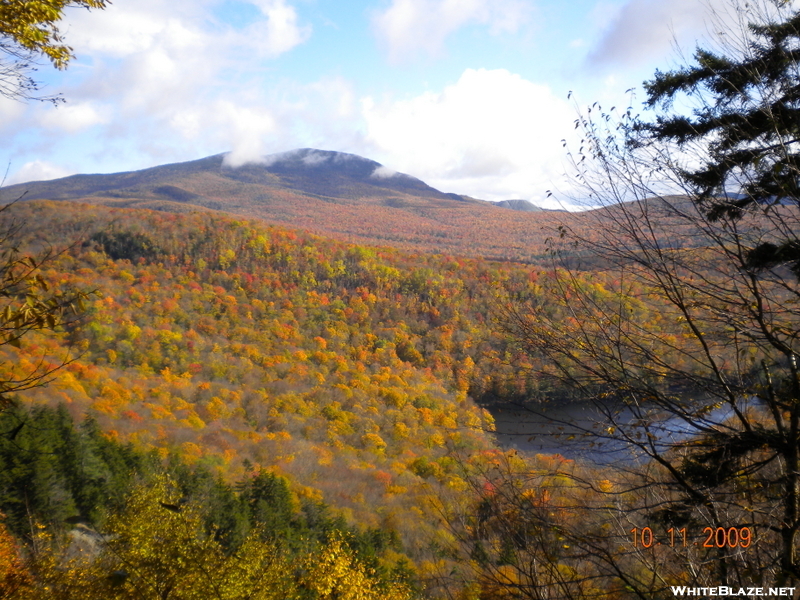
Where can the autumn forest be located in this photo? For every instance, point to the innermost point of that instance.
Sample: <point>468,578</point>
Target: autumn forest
<point>311,378</point>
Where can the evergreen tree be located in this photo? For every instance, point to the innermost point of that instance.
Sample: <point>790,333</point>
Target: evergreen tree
<point>747,122</point>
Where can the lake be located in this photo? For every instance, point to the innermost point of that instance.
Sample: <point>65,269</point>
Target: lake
<point>576,430</point>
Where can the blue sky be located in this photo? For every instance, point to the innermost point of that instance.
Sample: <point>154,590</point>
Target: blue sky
<point>468,95</point>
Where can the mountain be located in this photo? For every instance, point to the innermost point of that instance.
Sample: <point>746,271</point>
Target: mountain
<point>340,195</point>
<point>523,205</point>
<point>315,173</point>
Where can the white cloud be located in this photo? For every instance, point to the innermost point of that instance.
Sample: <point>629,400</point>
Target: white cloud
<point>126,29</point>
<point>37,171</point>
<point>281,32</point>
<point>151,75</point>
<point>339,95</point>
<point>407,27</point>
<point>72,118</point>
<point>492,134</point>
<point>383,172</point>
<point>642,29</point>
<point>11,111</point>
<point>242,129</point>
<point>313,158</point>
<point>155,56</point>
<point>321,114</point>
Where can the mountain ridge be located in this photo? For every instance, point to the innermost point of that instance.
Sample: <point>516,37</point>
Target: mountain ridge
<point>290,165</point>
<point>344,196</point>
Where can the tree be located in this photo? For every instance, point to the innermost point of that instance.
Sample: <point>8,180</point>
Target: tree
<point>27,304</point>
<point>518,538</point>
<point>689,352</point>
<point>14,578</point>
<point>747,119</point>
<point>29,30</point>
<point>159,548</point>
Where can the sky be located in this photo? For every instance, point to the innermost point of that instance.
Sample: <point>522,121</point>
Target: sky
<point>471,96</point>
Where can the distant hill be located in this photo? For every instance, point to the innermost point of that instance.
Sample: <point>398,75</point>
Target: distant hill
<point>523,205</point>
<point>331,193</point>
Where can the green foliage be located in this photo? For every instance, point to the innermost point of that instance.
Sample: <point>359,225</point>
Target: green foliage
<point>51,471</point>
<point>271,503</point>
<point>71,478</point>
<point>125,244</point>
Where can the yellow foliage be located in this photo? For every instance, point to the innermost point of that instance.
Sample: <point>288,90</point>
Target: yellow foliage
<point>14,578</point>
<point>401,430</point>
<point>374,442</point>
<point>191,452</point>
<point>456,483</point>
<point>309,493</point>
<point>193,421</point>
<point>471,419</point>
<point>158,548</point>
<point>333,573</point>
<point>105,406</point>
<point>217,409</point>
<point>435,440</point>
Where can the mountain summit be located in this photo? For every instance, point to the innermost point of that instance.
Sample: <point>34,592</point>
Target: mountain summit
<point>337,174</point>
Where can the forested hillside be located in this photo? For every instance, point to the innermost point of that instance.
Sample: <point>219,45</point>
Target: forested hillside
<point>238,347</point>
